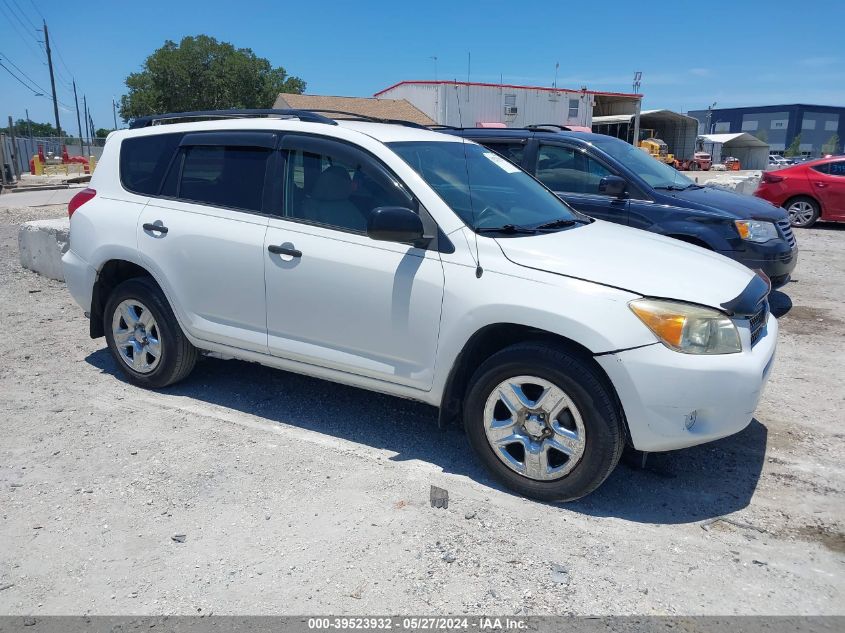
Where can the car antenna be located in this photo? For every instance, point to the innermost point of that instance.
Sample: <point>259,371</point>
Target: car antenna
<point>478,269</point>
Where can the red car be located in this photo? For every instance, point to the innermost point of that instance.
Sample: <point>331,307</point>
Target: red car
<point>809,191</point>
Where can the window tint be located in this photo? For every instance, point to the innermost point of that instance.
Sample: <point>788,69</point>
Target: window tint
<point>837,169</point>
<point>143,161</point>
<point>823,168</point>
<point>514,152</point>
<point>224,176</point>
<point>569,170</point>
<point>338,191</point>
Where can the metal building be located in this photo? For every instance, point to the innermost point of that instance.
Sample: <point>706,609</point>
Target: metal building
<point>466,104</point>
<point>819,129</point>
<point>677,130</point>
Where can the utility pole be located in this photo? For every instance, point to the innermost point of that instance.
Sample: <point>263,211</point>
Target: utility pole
<point>16,166</point>
<point>87,135</point>
<point>637,81</point>
<point>28,124</point>
<point>52,79</point>
<point>114,112</point>
<point>78,121</point>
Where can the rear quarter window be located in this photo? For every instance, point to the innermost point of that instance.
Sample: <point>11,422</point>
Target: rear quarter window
<point>144,161</point>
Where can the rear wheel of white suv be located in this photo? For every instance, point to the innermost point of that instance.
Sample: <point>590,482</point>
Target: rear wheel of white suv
<point>144,337</point>
<point>544,422</point>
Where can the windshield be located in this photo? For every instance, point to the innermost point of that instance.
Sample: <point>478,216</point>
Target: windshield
<point>658,175</point>
<point>484,189</point>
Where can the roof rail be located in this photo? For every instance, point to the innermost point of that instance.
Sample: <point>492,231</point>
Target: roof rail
<point>540,126</point>
<point>354,116</point>
<point>159,119</point>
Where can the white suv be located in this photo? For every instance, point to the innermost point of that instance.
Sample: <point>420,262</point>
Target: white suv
<point>417,264</point>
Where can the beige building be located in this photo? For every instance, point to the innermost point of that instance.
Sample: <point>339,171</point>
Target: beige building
<point>399,109</point>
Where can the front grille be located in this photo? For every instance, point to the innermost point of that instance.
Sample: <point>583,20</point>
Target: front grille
<point>757,322</point>
<point>786,229</point>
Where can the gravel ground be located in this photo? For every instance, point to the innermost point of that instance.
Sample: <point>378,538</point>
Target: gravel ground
<point>299,496</point>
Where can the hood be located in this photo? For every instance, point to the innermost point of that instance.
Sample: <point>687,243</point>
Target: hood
<point>638,261</point>
<point>728,203</point>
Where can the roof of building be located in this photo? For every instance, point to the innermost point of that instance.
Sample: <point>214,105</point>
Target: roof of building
<point>399,109</point>
<point>771,107</point>
<point>740,139</point>
<point>512,86</point>
<point>626,118</point>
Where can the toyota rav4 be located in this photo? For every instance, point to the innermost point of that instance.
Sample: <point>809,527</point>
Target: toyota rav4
<point>422,265</point>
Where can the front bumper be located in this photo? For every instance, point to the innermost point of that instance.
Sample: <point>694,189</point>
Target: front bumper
<point>662,391</point>
<point>778,265</point>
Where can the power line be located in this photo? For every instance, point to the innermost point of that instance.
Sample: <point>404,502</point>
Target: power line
<point>28,78</point>
<point>37,10</point>
<point>21,81</point>
<point>16,28</point>
<point>17,17</point>
<point>26,17</point>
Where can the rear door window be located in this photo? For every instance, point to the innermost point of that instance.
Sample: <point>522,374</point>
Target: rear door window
<point>222,176</point>
<point>568,170</point>
<point>144,161</point>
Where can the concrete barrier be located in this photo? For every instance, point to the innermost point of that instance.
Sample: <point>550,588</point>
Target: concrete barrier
<point>41,245</point>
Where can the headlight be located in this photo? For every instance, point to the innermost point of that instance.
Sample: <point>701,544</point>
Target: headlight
<point>756,230</point>
<point>688,328</point>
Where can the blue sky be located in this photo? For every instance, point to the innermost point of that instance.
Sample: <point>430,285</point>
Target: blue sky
<point>691,54</point>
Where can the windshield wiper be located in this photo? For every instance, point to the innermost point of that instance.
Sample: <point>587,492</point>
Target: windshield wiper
<point>507,229</point>
<point>560,223</point>
<point>677,188</point>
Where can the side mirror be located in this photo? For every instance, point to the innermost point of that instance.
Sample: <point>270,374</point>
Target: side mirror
<point>613,186</point>
<point>395,224</point>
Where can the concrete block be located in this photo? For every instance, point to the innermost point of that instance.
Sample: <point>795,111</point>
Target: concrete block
<point>41,245</point>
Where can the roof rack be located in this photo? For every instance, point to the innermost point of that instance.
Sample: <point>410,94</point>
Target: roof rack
<point>540,126</point>
<point>159,119</point>
<point>354,116</point>
<point>310,116</point>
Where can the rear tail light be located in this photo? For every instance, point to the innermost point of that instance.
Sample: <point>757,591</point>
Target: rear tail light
<point>770,177</point>
<point>79,199</point>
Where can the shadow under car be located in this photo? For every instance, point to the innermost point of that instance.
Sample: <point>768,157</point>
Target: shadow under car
<point>682,486</point>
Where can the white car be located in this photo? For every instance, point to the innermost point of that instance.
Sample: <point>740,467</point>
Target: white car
<point>417,264</point>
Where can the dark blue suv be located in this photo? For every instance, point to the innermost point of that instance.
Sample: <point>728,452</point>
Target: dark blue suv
<point>609,179</point>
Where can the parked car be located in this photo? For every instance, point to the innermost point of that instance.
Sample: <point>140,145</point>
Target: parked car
<point>610,179</point>
<point>777,161</point>
<point>421,265</point>
<point>809,191</point>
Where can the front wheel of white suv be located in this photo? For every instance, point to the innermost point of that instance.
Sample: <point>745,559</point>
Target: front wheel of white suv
<point>544,422</point>
<point>144,337</point>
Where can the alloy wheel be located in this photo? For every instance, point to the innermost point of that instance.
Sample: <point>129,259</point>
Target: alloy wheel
<point>136,336</point>
<point>534,428</point>
<point>801,213</point>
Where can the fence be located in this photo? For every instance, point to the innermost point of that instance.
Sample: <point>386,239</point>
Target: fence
<point>26,147</point>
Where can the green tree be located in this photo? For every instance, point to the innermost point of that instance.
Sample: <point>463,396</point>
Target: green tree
<point>794,148</point>
<point>832,145</point>
<point>103,132</point>
<point>22,128</point>
<point>201,73</point>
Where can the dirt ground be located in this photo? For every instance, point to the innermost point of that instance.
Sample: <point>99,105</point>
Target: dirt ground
<point>299,496</point>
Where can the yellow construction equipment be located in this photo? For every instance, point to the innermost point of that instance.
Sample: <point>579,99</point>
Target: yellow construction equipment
<point>655,147</point>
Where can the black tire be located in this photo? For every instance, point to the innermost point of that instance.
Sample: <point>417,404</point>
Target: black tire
<point>585,386</point>
<point>177,355</point>
<point>804,222</point>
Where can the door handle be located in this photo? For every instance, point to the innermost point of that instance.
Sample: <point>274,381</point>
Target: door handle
<point>284,250</point>
<point>157,228</point>
<point>820,184</point>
